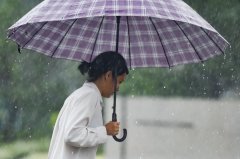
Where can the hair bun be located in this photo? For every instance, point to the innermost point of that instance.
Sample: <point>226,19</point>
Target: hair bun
<point>84,67</point>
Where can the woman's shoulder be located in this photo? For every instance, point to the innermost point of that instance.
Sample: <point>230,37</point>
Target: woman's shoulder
<point>85,91</point>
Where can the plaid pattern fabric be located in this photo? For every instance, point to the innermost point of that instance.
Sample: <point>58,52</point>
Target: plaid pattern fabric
<point>153,33</point>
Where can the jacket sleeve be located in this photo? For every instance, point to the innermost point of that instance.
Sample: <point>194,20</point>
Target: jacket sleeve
<point>76,131</point>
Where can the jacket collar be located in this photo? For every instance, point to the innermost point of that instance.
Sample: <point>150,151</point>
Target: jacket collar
<point>93,85</point>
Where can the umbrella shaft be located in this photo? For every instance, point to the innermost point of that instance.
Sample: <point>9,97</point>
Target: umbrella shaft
<point>114,116</point>
<point>117,37</point>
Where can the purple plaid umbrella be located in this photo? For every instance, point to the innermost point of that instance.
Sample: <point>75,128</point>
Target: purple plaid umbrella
<point>148,33</point>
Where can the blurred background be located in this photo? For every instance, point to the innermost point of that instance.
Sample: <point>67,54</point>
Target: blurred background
<point>190,111</point>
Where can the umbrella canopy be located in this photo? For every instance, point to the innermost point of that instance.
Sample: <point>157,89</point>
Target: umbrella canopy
<point>148,33</point>
<point>152,33</point>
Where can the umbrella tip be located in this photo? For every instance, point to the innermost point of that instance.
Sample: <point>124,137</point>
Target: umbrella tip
<point>19,49</point>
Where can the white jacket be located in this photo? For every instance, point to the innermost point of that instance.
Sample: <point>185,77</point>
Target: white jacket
<point>79,127</point>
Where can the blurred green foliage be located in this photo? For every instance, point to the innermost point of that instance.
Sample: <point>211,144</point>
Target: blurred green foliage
<point>213,79</point>
<point>53,118</point>
<point>22,149</point>
<point>33,87</point>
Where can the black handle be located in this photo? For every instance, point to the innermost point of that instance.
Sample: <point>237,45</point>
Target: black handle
<point>123,137</point>
<point>114,119</point>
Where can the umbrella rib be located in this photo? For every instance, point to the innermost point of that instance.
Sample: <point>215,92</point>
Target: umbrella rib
<point>200,58</point>
<point>13,32</point>
<point>129,46</point>
<point>63,37</point>
<point>34,34</point>
<point>96,38</point>
<point>213,41</point>
<point>164,50</point>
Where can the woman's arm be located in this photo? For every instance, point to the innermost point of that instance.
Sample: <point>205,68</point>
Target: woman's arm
<point>77,133</point>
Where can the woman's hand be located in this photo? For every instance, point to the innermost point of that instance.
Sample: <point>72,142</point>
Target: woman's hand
<point>112,128</point>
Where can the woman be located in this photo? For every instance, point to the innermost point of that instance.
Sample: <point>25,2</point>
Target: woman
<point>79,127</point>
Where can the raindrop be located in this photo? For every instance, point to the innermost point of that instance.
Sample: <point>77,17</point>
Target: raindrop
<point>15,107</point>
<point>172,113</point>
<point>136,122</point>
<point>164,87</point>
<point>224,57</point>
<point>30,136</point>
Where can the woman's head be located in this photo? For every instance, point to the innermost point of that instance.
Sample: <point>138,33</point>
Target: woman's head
<point>104,62</point>
<point>104,67</point>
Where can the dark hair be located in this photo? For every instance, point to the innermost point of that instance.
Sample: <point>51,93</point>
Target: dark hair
<point>104,62</point>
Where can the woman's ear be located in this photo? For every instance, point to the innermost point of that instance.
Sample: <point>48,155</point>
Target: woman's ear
<point>108,75</point>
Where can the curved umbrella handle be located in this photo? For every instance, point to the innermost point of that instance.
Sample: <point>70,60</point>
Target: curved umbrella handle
<point>123,137</point>
<point>114,118</point>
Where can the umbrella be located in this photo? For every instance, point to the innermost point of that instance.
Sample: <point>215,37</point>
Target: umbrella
<point>148,33</point>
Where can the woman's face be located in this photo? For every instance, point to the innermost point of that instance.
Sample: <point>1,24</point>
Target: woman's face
<point>108,89</point>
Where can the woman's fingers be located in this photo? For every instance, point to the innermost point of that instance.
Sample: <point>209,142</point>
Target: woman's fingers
<point>112,128</point>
